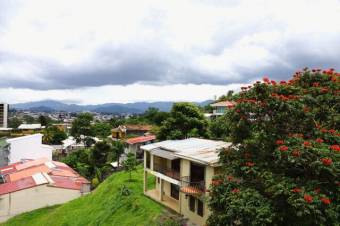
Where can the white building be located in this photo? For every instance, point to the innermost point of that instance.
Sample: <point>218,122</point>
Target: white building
<point>28,147</point>
<point>3,115</point>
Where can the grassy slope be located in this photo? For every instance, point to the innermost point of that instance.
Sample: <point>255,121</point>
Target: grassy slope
<point>105,206</point>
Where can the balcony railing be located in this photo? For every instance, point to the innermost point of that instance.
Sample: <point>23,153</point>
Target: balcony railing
<point>192,187</point>
<point>166,171</point>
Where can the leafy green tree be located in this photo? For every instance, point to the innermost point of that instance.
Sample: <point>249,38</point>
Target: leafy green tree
<point>283,166</point>
<point>100,154</point>
<point>14,122</point>
<point>186,119</point>
<point>118,149</point>
<point>28,119</point>
<point>101,129</point>
<point>82,125</point>
<point>53,135</point>
<point>219,128</point>
<point>44,120</point>
<point>154,116</point>
<point>130,164</point>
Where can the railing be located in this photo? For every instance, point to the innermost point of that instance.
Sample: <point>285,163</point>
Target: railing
<point>166,171</point>
<point>192,187</point>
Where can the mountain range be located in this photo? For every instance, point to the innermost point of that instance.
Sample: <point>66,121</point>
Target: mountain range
<point>118,108</point>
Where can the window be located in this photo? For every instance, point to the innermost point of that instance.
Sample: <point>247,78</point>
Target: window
<point>174,191</point>
<point>192,203</point>
<point>158,180</point>
<point>200,207</point>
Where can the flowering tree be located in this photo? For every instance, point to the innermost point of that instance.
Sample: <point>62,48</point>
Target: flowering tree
<point>283,167</point>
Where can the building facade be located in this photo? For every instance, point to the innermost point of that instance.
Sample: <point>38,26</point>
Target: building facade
<point>33,184</point>
<point>3,115</point>
<point>178,174</point>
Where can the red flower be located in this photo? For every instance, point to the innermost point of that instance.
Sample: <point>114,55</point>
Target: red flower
<point>283,148</point>
<point>296,190</point>
<point>250,164</point>
<point>235,190</point>
<point>216,182</point>
<point>283,82</point>
<point>273,82</point>
<point>266,80</point>
<point>332,131</point>
<point>319,140</point>
<point>279,142</point>
<point>327,161</point>
<point>326,201</point>
<point>335,147</point>
<point>229,178</point>
<point>307,144</point>
<point>308,198</point>
<point>296,153</point>
<point>324,130</point>
<point>317,190</point>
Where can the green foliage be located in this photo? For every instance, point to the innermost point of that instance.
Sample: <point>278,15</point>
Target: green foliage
<point>118,150</point>
<point>28,119</point>
<point>104,206</point>
<point>219,128</point>
<point>14,122</point>
<point>101,129</point>
<point>283,167</point>
<point>185,120</point>
<point>82,125</point>
<point>53,135</point>
<point>154,116</point>
<point>44,120</point>
<point>130,164</point>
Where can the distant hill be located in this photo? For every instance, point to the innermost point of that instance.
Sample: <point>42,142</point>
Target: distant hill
<point>137,107</point>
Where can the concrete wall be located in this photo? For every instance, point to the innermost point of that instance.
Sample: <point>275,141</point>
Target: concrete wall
<point>28,147</point>
<point>33,198</point>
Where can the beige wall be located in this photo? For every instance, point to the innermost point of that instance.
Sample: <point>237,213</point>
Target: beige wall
<point>33,198</point>
<point>184,201</point>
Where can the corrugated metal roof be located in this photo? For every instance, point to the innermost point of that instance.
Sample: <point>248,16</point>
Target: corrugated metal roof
<point>195,149</point>
<point>223,104</point>
<point>164,154</point>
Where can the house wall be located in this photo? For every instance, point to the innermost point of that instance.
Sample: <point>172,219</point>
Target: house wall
<point>28,147</point>
<point>33,198</point>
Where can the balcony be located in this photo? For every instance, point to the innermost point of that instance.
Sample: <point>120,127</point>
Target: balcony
<point>160,168</point>
<point>192,187</point>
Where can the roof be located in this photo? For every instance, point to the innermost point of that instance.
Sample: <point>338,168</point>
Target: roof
<point>195,149</point>
<point>223,104</point>
<point>140,139</point>
<point>31,173</point>
<point>30,126</point>
<point>125,128</point>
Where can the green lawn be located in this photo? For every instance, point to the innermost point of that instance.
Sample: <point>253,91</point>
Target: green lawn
<point>104,206</point>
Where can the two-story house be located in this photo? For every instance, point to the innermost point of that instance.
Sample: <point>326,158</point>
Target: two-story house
<point>182,172</point>
<point>221,107</point>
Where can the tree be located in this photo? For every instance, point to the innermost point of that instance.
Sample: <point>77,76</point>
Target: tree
<point>44,120</point>
<point>185,119</point>
<point>82,125</point>
<point>283,167</point>
<point>154,116</point>
<point>118,150</point>
<point>28,119</point>
<point>101,129</point>
<point>14,122</point>
<point>130,164</point>
<point>219,128</point>
<point>53,135</point>
<point>100,154</point>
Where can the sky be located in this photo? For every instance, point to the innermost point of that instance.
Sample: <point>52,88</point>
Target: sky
<point>92,52</point>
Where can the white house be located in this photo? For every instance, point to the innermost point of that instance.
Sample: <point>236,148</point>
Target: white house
<point>28,147</point>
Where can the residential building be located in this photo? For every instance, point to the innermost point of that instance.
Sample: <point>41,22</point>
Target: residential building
<point>4,152</point>
<point>25,147</point>
<point>133,145</point>
<point>221,107</point>
<point>31,128</point>
<point>182,172</point>
<point>3,115</point>
<point>33,184</point>
<point>124,131</point>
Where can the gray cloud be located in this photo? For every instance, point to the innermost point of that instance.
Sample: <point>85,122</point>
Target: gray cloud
<point>148,53</point>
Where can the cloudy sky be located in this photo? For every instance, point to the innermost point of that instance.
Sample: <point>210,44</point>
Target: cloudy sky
<point>124,51</point>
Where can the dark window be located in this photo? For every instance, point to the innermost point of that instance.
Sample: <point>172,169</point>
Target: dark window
<point>192,203</point>
<point>200,207</point>
<point>196,173</point>
<point>148,160</point>
<point>175,165</point>
<point>175,191</point>
<point>158,180</point>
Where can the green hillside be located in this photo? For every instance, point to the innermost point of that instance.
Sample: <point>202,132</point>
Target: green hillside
<point>104,206</point>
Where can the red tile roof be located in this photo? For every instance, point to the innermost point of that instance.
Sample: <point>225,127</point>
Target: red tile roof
<point>18,185</point>
<point>140,139</point>
<point>33,173</point>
